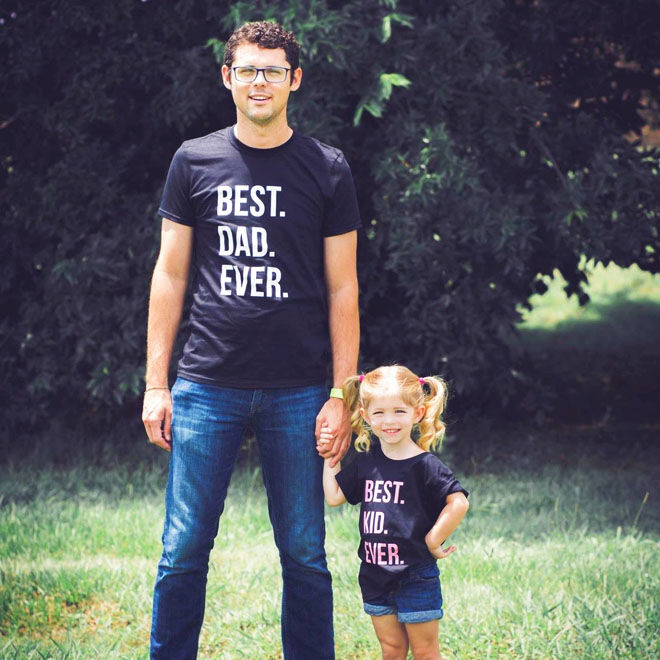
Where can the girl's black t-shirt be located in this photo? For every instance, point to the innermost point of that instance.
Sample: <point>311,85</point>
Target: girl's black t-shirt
<point>400,502</point>
<point>259,314</point>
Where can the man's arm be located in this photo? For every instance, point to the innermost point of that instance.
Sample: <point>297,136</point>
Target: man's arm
<point>168,288</point>
<point>344,321</point>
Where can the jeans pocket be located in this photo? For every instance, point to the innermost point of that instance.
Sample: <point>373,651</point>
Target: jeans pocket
<point>427,572</point>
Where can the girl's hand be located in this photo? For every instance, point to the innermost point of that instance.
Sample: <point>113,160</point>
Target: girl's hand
<point>326,437</point>
<point>441,553</point>
<point>448,520</point>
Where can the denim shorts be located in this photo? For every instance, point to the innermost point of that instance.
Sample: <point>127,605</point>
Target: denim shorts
<point>416,599</point>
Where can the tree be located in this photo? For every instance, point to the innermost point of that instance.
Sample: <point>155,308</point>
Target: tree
<point>486,139</point>
<point>96,98</point>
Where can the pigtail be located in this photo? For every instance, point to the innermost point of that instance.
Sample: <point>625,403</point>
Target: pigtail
<point>351,389</point>
<point>431,426</point>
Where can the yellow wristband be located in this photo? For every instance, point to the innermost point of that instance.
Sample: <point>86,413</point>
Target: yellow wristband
<point>336,393</point>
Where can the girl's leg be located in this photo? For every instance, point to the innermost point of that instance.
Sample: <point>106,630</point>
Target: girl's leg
<point>424,640</point>
<point>392,636</point>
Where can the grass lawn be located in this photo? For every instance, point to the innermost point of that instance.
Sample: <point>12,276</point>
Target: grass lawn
<point>558,559</point>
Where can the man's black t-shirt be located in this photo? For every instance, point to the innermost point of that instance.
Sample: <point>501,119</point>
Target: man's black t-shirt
<point>259,315</point>
<point>401,500</point>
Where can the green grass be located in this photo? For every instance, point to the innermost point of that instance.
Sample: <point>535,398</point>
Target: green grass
<point>608,287</point>
<point>622,315</point>
<point>558,559</point>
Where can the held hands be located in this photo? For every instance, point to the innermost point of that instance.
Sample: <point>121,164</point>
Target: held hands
<point>326,437</point>
<point>333,430</point>
<point>157,417</point>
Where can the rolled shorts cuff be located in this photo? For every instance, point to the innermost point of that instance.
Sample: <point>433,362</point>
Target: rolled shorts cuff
<point>403,617</point>
<point>419,617</point>
<point>378,610</point>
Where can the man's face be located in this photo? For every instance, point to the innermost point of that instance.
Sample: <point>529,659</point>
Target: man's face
<point>260,101</point>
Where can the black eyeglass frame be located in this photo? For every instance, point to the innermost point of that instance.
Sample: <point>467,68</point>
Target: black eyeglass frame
<point>263,70</point>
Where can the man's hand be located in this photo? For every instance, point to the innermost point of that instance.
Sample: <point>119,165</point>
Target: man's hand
<point>157,417</point>
<point>334,421</point>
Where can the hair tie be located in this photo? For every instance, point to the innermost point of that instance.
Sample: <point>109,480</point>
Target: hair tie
<point>422,381</point>
<point>361,377</point>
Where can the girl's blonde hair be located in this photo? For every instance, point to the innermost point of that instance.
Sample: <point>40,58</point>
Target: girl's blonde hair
<point>430,392</point>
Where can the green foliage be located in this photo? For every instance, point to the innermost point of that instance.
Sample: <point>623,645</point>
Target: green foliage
<point>98,97</point>
<point>485,139</point>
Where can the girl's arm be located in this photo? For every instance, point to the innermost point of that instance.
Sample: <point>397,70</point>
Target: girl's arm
<point>333,494</point>
<point>448,520</point>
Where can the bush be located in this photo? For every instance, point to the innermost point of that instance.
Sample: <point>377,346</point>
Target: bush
<point>485,139</point>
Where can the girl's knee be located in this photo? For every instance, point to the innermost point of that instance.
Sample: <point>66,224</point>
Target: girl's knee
<point>391,636</point>
<point>424,640</point>
<point>394,650</point>
<point>426,650</point>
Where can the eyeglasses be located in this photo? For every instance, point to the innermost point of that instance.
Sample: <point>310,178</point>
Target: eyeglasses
<point>272,74</point>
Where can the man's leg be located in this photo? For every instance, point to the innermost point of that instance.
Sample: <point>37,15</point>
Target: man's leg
<point>292,472</point>
<point>207,427</point>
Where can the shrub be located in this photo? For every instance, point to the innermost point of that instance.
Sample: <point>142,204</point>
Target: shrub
<point>486,141</point>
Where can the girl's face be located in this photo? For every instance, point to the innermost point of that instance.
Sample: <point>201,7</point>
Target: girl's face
<point>391,419</point>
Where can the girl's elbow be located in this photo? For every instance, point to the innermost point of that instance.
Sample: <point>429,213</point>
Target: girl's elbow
<point>465,505</point>
<point>460,505</point>
<point>334,500</point>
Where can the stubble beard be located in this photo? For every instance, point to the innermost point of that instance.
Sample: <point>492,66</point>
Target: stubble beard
<point>262,120</point>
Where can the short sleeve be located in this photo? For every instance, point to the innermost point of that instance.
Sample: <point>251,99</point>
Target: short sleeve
<point>176,203</point>
<point>349,482</point>
<point>441,482</point>
<point>342,213</point>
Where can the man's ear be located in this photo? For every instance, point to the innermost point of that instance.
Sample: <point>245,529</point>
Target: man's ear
<point>226,76</point>
<point>296,78</point>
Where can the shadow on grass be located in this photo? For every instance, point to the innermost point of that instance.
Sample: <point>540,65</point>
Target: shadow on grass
<point>603,367</point>
<point>611,328</point>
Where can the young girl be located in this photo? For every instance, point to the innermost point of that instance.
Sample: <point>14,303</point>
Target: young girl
<point>411,503</point>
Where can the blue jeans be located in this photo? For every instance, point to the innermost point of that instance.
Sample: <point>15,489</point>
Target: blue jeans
<point>208,425</point>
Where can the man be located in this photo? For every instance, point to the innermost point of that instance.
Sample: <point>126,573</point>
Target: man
<point>265,220</point>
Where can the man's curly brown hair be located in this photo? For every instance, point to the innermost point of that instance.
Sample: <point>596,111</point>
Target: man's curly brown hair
<point>266,34</point>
